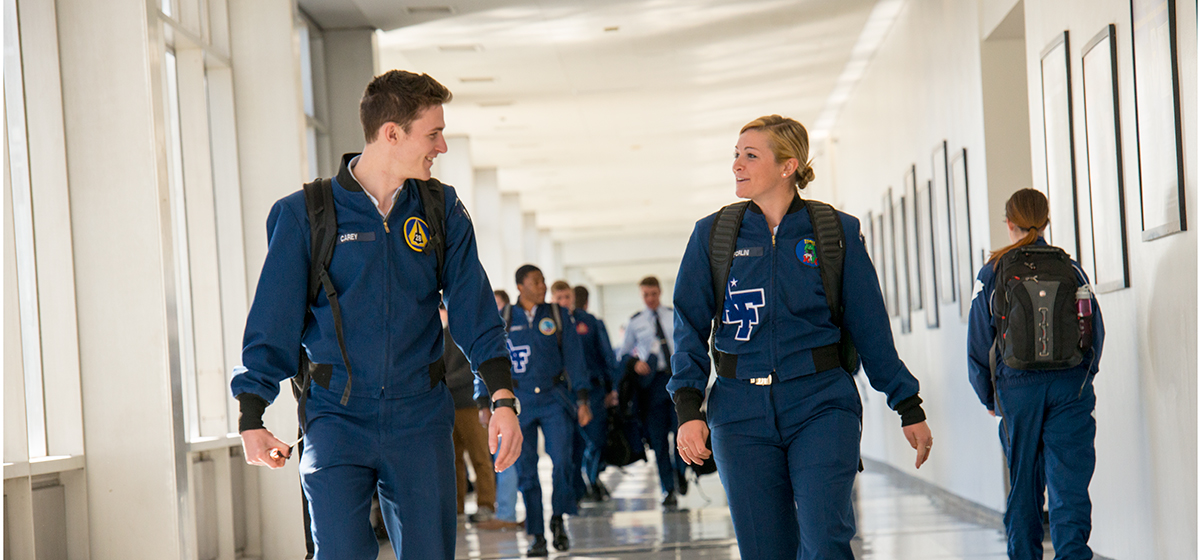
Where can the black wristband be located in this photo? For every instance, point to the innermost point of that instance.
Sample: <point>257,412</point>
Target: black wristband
<point>496,374</point>
<point>251,408</point>
<point>687,405</point>
<point>910,411</point>
<point>582,396</point>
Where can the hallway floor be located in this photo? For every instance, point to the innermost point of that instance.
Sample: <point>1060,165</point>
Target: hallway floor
<point>897,520</point>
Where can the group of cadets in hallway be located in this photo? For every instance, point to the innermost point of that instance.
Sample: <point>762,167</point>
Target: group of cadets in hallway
<point>775,293</point>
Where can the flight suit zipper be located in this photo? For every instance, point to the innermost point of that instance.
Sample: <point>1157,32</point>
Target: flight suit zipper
<point>387,300</point>
<point>774,361</point>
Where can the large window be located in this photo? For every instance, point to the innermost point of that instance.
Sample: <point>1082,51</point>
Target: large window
<point>312,78</point>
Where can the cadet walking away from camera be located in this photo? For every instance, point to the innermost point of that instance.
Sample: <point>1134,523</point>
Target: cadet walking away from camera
<point>784,413</point>
<point>376,415</point>
<point>1035,338</point>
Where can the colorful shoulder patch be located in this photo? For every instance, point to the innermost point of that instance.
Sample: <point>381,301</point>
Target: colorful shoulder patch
<point>582,328</point>
<point>546,326</point>
<point>806,251</point>
<point>416,233</point>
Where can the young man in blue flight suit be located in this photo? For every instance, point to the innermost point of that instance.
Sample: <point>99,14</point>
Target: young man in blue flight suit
<point>650,334</point>
<point>388,427</point>
<point>550,379</point>
<point>601,363</point>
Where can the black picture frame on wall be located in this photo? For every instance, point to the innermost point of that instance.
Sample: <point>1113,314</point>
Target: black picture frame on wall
<point>879,259</point>
<point>1158,122</point>
<point>902,265</point>
<point>929,262</point>
<point>913,236</point>
<point>1059,134</point>
<point>889,256</point>
<point>1106,185</point>
<point>960,193</point>
<point>943,233</point>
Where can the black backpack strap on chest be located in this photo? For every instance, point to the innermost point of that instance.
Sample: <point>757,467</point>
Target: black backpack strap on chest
<point>722,242</point>
<point>831,261</point>
<point>433,201</point>
<point>322,223</point>
<point>556,316</point>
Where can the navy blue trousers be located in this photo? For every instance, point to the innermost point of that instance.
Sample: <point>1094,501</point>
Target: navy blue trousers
<point>787,454</point>
<point>595,435</point>
<point>1051,444</point>
<point>657,413</point>
<point>554,413</point>
<point>401,447</point>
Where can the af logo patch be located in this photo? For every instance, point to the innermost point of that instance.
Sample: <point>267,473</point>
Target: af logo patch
<point>519,356</point>
<point>416,233</point>
<point>546,326</point>
<point>741,309</point>
<point>806,251</point>
<point>581,328</point>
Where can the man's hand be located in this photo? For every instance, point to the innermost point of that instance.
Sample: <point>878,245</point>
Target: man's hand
<point>612,399</point>
<point>485,416</point>
<point>584,414</point>
<point>919,438</point>
<point>642,368</point>
<point>261,448</point>
<point>992,412</point>
<point>504,437</point>
<point>692,441</point>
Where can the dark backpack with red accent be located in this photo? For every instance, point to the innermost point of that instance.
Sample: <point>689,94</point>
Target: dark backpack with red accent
<point>1033,310</point>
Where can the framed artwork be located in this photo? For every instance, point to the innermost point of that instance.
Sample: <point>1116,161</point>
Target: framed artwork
<point>1060,145</point>
<point>925,226</point>
<point>1159,130</point>
<point>913,234</point>
<point>1106,187</point>
<point>943,234</point>
<point>960,201</point>
<point>878,258</point>
<point>902,265</point>
<point>869,231</point>
<point>889,256</point>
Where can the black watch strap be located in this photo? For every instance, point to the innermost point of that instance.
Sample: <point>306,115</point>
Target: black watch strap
<point>510,403</point>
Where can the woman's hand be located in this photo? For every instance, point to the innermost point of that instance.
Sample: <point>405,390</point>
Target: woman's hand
<point>692,441</point>
<point>921,439</point>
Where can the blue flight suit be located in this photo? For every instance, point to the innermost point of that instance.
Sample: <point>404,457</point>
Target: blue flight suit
<point>394,434</point>
<point>787,451</point>
<point>653,403</point>
<point>548,377</point>
<point>1048,432</point>
<point>602,365</point>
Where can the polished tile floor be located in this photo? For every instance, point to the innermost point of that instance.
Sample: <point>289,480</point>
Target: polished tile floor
<point>897,520</point>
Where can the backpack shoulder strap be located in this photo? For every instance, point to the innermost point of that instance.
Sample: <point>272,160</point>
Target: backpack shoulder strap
<point>433,201</point>
<point>322,220</point>
<point>506,315</point>
<point>556,316</point>
<point>722,241</point>
<point>831,253</point>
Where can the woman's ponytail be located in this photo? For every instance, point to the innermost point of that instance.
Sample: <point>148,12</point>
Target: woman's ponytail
<point>1029,210</point>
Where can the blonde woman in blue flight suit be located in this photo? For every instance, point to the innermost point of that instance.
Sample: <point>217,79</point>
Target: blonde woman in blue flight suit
<point>785,432</point>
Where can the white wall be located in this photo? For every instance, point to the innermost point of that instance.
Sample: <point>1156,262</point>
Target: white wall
<point>925,85</point>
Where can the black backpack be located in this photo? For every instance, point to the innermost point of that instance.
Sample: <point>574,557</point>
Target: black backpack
<point>831,256</point>
<point>624,442</point>
<point>1033,310</point>
<point>322,225</point>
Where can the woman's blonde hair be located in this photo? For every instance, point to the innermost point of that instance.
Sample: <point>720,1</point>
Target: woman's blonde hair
<point>789,139</point>
<point>1029,210</point>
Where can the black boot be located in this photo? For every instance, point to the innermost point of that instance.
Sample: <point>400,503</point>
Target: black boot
<point>537,547</point>
<point>601,492</point>
<point>670,502</point>
<point>561,540</point>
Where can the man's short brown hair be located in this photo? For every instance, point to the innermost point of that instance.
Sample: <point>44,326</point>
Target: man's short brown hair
<point>398,96</point>
<point>560,285</point>
<point>650,282</point>
<point>581,296</point>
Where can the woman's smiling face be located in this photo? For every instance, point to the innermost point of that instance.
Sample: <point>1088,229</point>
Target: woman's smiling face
<point>754,167</point>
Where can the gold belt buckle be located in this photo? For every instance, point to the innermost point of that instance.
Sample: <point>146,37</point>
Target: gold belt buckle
<point>762,380</point>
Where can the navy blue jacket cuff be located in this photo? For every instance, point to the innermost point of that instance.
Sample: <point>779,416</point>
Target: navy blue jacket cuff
<point>251,408</point>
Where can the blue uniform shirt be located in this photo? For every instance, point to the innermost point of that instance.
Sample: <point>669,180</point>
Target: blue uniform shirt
<point>597,350</point>
<point>775,308</point>
<point>387,287</point>
<point>981,332</point>
<point>642,335</point>
<point>537,359</point>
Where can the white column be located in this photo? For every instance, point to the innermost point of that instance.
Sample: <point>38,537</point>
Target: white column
<point>486,214</point>
<point>511,235</point>
<point>138,503</point>
<point>454,168</point>
<point>351,60</point>
<point>270,135</point>
<point>530,240</point>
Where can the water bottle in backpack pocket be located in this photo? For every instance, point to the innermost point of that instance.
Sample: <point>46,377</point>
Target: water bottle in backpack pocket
<point>1038,321</point>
